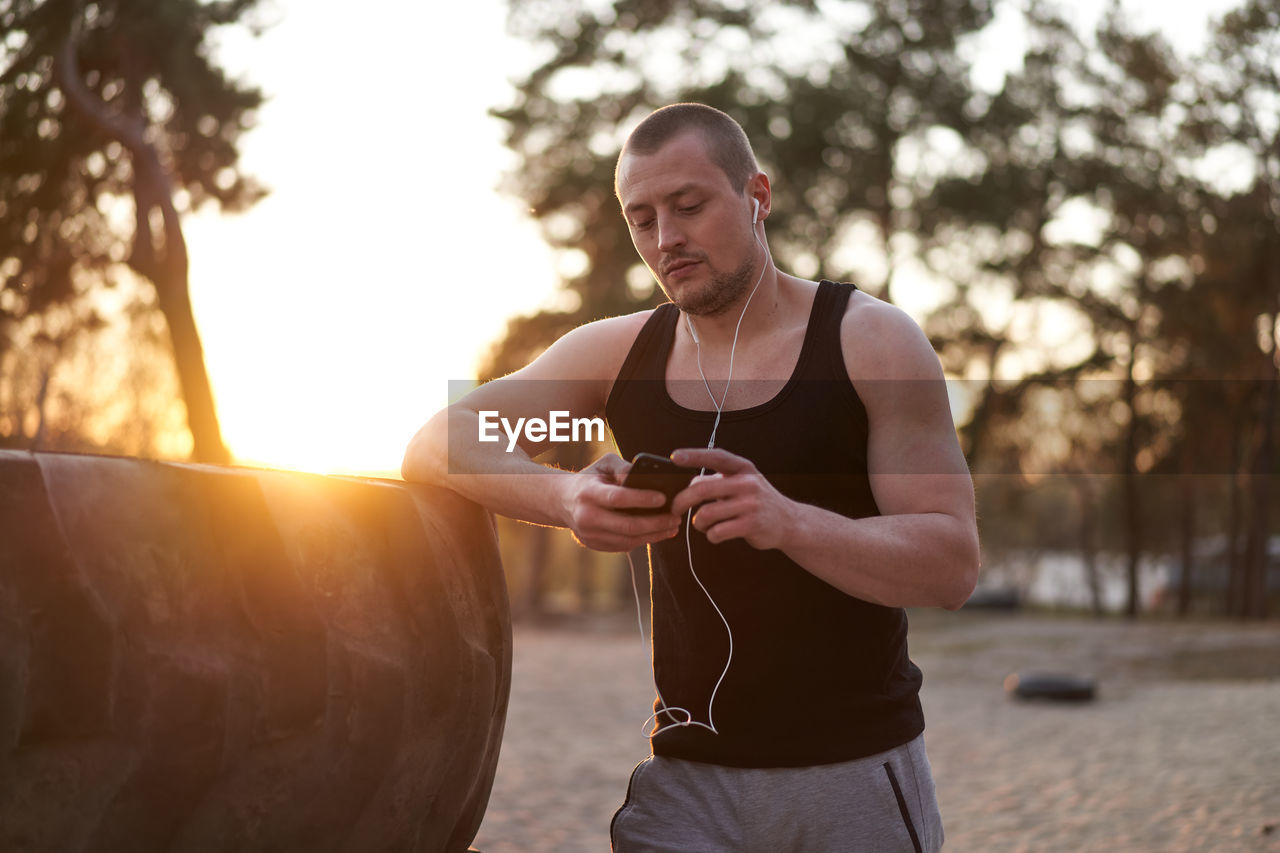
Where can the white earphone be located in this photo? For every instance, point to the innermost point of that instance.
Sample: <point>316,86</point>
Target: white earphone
<point>676,716</point>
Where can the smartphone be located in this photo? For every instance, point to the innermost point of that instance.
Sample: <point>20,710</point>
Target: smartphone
<point>660,474</point>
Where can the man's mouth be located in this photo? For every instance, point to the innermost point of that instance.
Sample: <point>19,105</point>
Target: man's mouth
<point>679,264</point>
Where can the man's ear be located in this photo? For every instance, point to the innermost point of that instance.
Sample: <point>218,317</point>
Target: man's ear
<point>759,191</point>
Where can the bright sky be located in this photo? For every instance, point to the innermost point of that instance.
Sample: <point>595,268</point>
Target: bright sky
<point>384,262</point>
<point>334,313</point>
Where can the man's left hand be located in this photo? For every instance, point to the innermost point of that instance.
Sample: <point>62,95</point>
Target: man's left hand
<point>735,502</point>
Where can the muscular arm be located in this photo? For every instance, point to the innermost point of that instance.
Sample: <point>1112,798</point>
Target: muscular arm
<point>573,375</point>
<point>508,483</point>
<point>922,550</point>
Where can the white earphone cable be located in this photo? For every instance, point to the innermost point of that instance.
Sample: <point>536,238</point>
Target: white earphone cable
<point>663,708</point>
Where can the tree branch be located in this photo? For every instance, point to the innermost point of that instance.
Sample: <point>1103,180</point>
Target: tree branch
<point>66,73</point>
<point>152,187</point>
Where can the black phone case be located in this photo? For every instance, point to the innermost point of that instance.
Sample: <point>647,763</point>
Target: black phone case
<point>660,474</point>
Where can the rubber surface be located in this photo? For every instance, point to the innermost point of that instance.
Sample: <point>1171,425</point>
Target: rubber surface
<point>197,658</point>
<point>1051,686</point>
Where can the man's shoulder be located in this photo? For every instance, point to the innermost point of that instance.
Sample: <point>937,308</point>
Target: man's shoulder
<point>594,350</point>
<point>621,323</point>
<point>610,334</point>
<point>575,373</point>
<point>881,341</point>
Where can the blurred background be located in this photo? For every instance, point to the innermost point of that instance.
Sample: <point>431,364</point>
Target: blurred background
<point>271,233</point>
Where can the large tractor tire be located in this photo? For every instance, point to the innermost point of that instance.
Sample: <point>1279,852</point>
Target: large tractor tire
<point>198,658</point>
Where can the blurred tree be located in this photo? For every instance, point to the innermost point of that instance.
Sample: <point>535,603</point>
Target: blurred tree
<point>1095,208</point>
<point>1064,214</point>
<point>1136,180</point>
<point>1005,236</point>
<point>845,105</point>
<point>114,121</point>
<point>73,381</point>
<point>1235,126</point>
<point>839,102</point>
<point>1052,232</point>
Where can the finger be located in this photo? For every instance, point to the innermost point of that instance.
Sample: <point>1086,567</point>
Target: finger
<point>665,533</point>
<point>703,489</point>
<point>619,544</point>
<point>733,528</point>
<point>615,522</point>
<point>657,524</point>
<point>712,458</point>
<point>603,513</point>
<point>612,467</point>
<point>716,512</point>
<point>621,497</point>
<point>647,529</point>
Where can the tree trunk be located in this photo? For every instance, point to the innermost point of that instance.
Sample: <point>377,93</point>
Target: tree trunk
<point>882,207</point>
<point>978,428</point>
<point>1089,542</point>
<point>159,249</point>
<point>1255,563</point>
<point>1257,546</point>
<point>1132,505</point>
<point>174,297</point>
<point>586,580</point>
<point>535,593</point>
<point>1188,541</point>
<point>1235,571</point>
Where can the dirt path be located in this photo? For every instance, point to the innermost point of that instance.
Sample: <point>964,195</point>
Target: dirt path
<point>1181,752</point>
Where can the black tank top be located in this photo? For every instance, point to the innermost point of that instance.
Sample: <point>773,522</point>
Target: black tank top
<point>817,675</point>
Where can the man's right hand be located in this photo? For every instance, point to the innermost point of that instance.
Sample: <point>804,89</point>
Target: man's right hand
<point>593,503</point>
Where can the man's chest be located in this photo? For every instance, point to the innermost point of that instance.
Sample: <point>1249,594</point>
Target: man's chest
<point>709,377</point>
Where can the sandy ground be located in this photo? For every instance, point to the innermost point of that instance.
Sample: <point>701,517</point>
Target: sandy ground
<point>1180,752</point>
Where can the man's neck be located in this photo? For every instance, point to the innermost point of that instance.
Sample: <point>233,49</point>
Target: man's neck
<point>764,308</point>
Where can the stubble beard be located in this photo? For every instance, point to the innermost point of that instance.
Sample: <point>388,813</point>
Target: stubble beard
<point>724,289</point>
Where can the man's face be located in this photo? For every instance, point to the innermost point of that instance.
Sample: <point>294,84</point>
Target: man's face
<point>689,225</point>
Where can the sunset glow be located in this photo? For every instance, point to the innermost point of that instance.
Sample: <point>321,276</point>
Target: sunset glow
<point>385,262</point>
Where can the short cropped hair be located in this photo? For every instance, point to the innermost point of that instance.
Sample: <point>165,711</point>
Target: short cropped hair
<point>726,141</point>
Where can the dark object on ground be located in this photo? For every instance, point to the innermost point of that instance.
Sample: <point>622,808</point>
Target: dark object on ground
<point>198,658</point>
<point>994,598</point>
<point>1051,686</point>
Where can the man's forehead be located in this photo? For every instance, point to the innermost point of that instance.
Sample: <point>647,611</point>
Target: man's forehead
<point>681,164</point>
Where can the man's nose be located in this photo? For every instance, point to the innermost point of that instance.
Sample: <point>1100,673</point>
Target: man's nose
<point>670,234</point>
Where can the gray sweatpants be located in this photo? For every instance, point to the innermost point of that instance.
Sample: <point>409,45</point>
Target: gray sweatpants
<point>882,803</point>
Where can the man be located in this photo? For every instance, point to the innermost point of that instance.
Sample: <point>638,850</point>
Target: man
<point>835,495</point>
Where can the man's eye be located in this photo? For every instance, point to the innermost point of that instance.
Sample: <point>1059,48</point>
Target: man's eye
<point>640,226</point>
<point>692,208</point>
